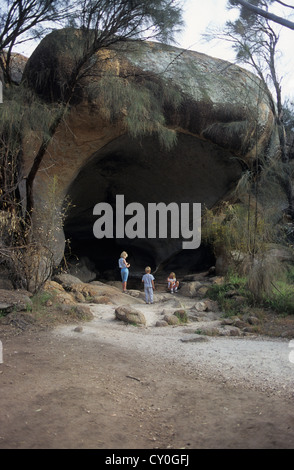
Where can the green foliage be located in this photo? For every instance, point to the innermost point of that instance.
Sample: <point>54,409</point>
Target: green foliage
<point>282,299</point>
<point>138,102</point>
<point>282,296</point>
<point>25,119</point>
<point>288,117</point>
<point>238,229</point>
<point>38,301</point>
<point>227,294</point>
<point>278,296</point>
<point>244,238</point>
<point>22,114</point>
<point>290,275</point>
<point>23,108</point>
<point>129,19</point>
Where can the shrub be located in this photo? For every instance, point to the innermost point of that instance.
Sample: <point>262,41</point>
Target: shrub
<point>227,294</point>
<point>282,298</point>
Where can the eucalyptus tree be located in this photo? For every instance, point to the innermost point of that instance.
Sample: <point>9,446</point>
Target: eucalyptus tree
<point>255,40</point>
<point>103,23</point>
<point>100,24</point>
<point>25,20</point>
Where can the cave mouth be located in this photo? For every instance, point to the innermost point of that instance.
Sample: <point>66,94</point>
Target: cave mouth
<point>193,171</point>
<point>101,259</point>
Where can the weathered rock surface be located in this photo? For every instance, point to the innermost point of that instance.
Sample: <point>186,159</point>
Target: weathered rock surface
<point>95,159</point>
<point>190,288</point>
<point>14,300</point>
<point>70,289</point>
<point>195,339</point>
<point>129,314</point>
<point>171,319</point>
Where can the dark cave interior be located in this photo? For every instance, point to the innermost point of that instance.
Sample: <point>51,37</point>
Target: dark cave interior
<point>143,172</point>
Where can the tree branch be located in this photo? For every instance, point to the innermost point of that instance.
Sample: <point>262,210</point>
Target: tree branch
<point>266,14</point>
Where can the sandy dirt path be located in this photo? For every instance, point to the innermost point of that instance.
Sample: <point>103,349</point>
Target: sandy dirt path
<point>112,386</point>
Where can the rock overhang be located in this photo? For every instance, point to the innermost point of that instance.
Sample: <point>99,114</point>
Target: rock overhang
<point>222,106</point>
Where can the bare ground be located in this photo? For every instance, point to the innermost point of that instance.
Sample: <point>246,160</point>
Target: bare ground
<point>112,386</point>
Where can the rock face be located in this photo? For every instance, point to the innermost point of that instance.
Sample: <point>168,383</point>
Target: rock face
<point>17,300</point>
<point>95,160</point>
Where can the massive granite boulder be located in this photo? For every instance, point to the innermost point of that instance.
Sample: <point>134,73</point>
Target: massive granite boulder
<point>223,120</point>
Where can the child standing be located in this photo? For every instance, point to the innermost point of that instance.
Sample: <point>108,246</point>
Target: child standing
<point>172,283</point>
<point>148,280</point>
<point>123,265</point>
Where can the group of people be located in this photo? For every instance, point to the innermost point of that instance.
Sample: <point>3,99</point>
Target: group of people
<point>148,279</point>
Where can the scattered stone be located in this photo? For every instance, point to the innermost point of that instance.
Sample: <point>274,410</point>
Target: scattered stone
<point>229,331</point>
<point>201,306</point>
<point>212,305</point>
<point>288,334</point>
<point>65,298</point>
<point>167,312</point>
<point>201,316</point>
<point>253,320</point>
<point>78,329</point>
<point>195,339</point>
<point>6,307</point>
<point>79,297</point>
<point>239,323</point>
<point>163,297</point>
<point>202,291</point>
<point>134,293</point>
<point>66,280</point>
<point>228,321</point>
<point>88,290</point>
<point>21,320</point>
<point>15,300</point>
<point>249,329</point>
<point>83,311</point>
<point>53,287</point>
<point>211,331</point>
<point>181,314</point>
<point>171,319</point>
<point>129,314</point>
<point>160,323</point>
<point>190,289</point>
<point>211,328</point>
